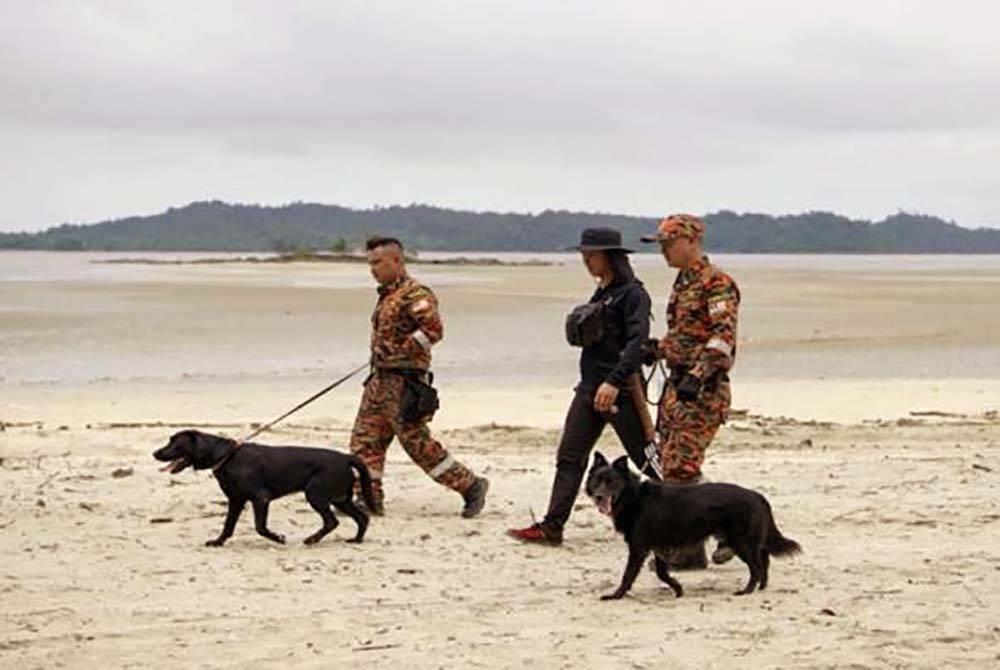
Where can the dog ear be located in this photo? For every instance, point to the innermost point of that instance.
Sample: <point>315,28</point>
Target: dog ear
<point>599,459</point>
<point>203,449</point>
<point>194,443</point>
<point>190,439</point>
<point>621,463</point>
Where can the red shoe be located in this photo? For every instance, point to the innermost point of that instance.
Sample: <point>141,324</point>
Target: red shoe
<point>538,533</point>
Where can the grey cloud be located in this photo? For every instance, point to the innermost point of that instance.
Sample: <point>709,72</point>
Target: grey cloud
<point>775,106</point>
<point>438,67</point>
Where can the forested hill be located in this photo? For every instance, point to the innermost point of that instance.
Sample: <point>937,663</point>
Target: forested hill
<point>218,226</point>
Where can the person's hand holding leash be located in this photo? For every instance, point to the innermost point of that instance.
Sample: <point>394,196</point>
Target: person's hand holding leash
<point>650,352</point>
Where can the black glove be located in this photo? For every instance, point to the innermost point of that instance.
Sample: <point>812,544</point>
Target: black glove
<point>687,388</point>
<point>650,352</point>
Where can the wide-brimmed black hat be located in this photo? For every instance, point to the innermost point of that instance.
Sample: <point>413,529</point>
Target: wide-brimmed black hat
<point>600,239</point>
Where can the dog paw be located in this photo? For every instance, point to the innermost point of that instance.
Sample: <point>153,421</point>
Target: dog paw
<point>280,539</point>
<point>214,543</point>
<point>354,540</point>
<point>612,596</point>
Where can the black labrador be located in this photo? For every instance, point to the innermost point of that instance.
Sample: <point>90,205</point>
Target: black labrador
<point>657,517</point>
<point>260,474</point>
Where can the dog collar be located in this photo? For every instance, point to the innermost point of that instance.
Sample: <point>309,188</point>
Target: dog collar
<point>229,454</point>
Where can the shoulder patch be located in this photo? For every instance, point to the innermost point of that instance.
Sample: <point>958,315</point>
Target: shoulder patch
<point>716,307</point>
<point>720,285</point>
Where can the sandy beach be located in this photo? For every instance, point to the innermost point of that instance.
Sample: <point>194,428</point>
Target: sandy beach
<point>868,390</point>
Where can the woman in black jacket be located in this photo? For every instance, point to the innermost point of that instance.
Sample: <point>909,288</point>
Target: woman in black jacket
<point>606,366</point>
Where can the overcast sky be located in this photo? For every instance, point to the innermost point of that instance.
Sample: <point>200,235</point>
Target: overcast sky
<point>860,107</point>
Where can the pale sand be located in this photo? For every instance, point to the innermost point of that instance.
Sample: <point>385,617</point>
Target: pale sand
<point>898,519</point>
<point>898,525</point>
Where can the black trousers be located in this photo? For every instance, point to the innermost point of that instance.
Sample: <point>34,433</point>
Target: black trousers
<point>583,427</point>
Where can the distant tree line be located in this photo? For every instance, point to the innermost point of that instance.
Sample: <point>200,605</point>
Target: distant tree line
<point>298,227</point>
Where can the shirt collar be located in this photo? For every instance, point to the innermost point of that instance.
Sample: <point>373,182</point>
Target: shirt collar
<point>689,274</point>
<point>386,289</point>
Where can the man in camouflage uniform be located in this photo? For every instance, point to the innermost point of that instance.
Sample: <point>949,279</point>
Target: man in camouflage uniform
<point>405,325</point>
<point>699,348</point>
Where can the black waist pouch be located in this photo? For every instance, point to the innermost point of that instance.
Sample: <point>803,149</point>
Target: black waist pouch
<point>585,324</point>
<point>420,399</point>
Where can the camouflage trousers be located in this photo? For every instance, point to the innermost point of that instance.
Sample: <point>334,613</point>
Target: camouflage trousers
<point>688,429</point>
<point>379,420</point>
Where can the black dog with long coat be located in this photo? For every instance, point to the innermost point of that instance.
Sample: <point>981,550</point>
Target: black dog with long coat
<point>657,517</point>
<point>259,474</point>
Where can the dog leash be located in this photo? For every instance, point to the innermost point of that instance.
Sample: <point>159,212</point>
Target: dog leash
<point>652,448</point>
<point>239,443</point>
<point>661,367</point>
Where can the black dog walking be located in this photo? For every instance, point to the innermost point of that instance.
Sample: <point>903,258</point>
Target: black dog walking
<point>656,517</point>
<point>260,474</point>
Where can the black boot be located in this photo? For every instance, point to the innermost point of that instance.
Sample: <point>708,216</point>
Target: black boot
<point>689,557</point>
<point>723,553</point>
<point>359,499</point>
<point>475,497</point>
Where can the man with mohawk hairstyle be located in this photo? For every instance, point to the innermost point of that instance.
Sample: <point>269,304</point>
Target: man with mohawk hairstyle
<point>398,399</point>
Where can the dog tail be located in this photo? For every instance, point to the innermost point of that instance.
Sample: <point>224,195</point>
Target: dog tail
<point>777,544</point>
<point>366,480</point>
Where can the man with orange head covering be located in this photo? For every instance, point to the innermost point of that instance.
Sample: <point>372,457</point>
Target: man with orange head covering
<point>699,348</point>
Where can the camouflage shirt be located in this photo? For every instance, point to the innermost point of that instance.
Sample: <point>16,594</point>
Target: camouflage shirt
<point>701,320</point>
<point>405,324</point>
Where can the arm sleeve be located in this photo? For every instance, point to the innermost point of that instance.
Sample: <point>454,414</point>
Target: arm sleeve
<point>723,307</point>
<point>673,352</point>
<point>423,308</point>
<point>636,307</point>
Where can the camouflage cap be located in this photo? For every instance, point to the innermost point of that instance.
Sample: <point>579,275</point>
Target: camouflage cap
<point>677,225</point>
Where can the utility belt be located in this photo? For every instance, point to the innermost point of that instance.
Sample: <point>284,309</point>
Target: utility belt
<point>415,373</point>
<point>709,385</point>
<point>419,400</point>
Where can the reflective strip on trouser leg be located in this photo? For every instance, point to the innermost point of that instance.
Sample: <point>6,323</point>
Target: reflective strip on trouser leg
<point>442,467</point>
<point>433,458</point>
<point>416,440</point>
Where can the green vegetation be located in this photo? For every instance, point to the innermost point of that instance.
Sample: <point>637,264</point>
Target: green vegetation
<point>301,228</point>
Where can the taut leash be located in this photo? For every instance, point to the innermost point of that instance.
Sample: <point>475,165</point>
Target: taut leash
<point>239,443</point>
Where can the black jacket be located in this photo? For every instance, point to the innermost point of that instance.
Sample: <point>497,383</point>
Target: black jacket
<point>618,354</point>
